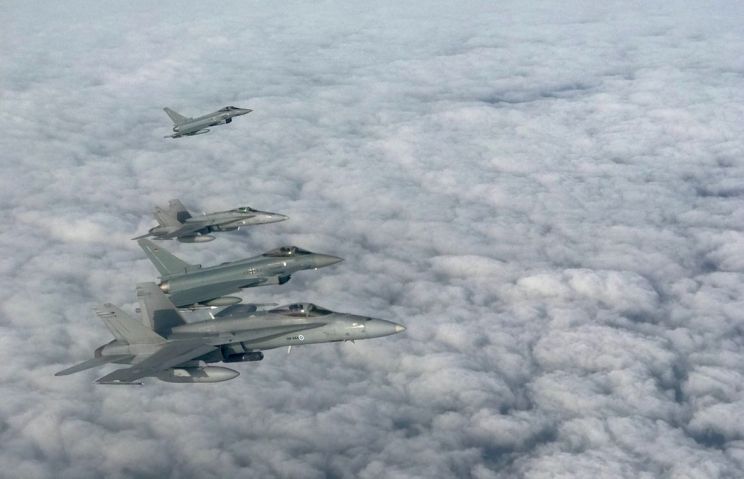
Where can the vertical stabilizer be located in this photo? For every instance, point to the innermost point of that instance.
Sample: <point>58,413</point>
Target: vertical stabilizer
<point>125,328</point>
<point>174,215</point>
<point>164,218</point>
<point>178,210</point>
<point>158,313</point>
<point>175,116</point>
<point>166,263</point>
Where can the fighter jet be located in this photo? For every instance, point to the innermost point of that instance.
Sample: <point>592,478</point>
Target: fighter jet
<point>164,346</point>
<point>191,286</point>
<point>175,221</point>
<point>183,126</point>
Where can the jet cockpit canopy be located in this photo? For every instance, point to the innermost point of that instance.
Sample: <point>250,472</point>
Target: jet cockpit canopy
<point>286,251</point>
<point>301,310</point>
<point>244,209</point>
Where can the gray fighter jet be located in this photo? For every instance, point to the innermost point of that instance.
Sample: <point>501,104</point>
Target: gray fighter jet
<point>175,221</point>
<point>183,126</point>
<point>191,286</point>
<point>164,346</point>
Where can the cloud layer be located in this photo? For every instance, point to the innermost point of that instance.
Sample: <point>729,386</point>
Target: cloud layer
<point>549,198</point>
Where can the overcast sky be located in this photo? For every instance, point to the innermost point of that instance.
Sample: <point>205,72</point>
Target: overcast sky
<point>548,197</point>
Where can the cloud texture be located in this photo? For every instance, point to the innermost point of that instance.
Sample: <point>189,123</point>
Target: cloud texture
<point>549,197</point>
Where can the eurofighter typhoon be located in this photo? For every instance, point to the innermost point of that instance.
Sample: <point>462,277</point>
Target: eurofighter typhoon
<point>175,221</point>
<point>162,345</point>
<point>184,126</point>
<point>192,286</point>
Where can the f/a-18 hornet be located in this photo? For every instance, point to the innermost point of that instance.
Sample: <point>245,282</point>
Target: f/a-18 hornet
<point>164,346</point>
<point>191,286</point>
<point>183,126</point>
<point>175,221</point>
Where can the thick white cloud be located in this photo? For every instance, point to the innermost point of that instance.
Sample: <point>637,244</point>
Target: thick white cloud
<point>549,197</point>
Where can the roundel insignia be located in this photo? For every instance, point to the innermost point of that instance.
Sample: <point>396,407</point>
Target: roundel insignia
<point>301,337</point>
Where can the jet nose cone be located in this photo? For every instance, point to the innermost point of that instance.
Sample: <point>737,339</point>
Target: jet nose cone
<point>380,327</point>
<point>276,217</point>
<point>323,260</point>
<point>243,111</point>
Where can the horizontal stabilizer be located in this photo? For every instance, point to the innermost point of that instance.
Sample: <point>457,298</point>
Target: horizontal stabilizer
<point>169,355</point>
<point>91,363</point>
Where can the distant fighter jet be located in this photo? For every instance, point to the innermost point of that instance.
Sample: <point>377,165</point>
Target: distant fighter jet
<point>191,286</point>
<point>175,221</point>
<point>183,126</point>
<point>162,345</point>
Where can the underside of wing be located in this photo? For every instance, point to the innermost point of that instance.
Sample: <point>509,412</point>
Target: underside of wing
<point>170,355</point>
<point>208,292</point>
